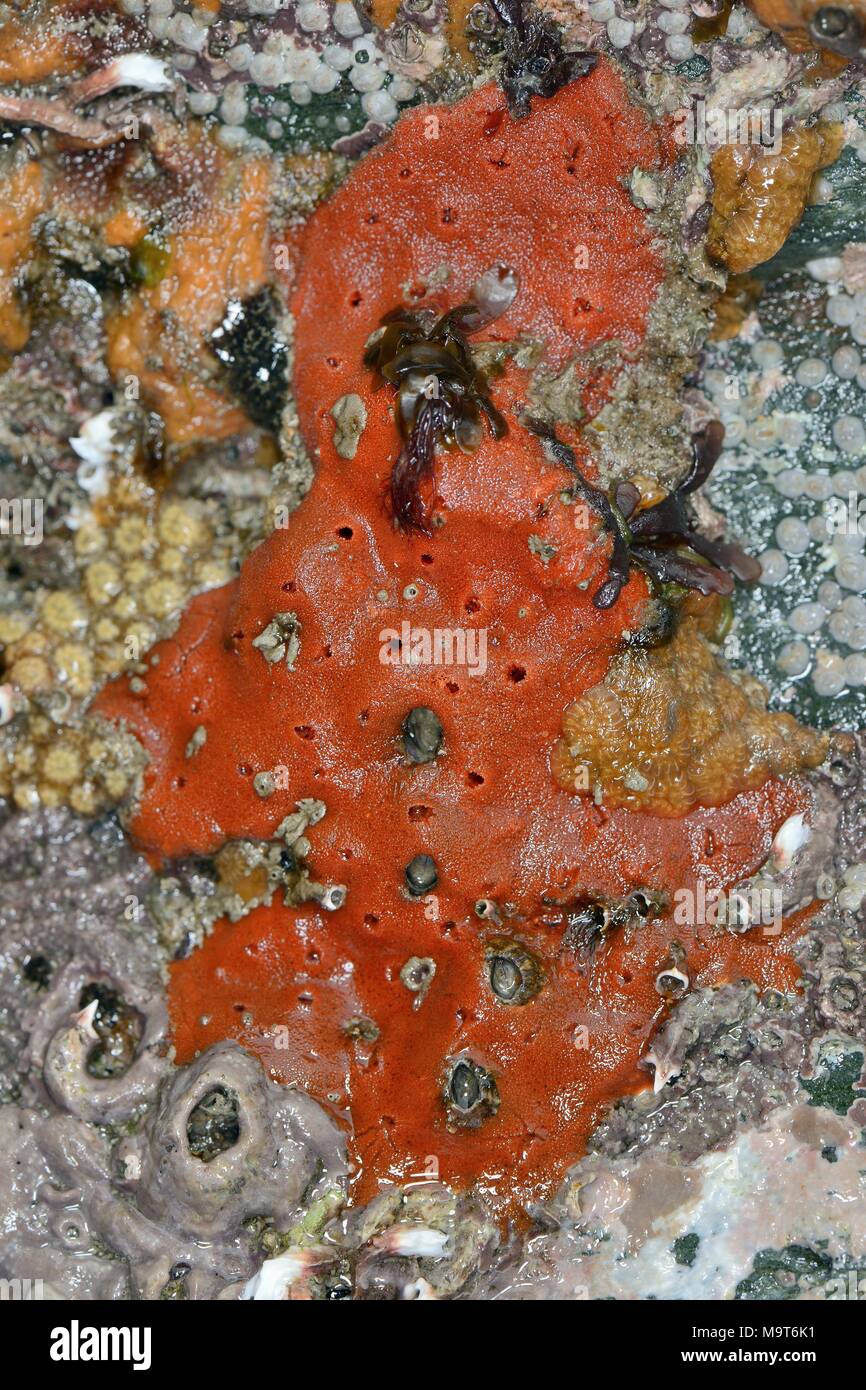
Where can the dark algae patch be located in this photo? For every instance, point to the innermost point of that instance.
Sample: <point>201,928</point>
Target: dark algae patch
<point>685,1249</point>
<point>835,1087</point>
<point>785,1274</point>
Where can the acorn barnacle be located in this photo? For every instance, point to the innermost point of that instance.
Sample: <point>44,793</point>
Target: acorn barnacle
<point>470,1093</point>
<point>513,972</point>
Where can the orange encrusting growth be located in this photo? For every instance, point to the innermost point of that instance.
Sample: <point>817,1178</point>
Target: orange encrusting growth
<point>157,335</point>
<point>669,728</point>
<point>124,228</point>
<point>43,43</point>
<point>505,560</point>
<point>554,1079</point>
<point>22,198</point>
<point>759,198</point>
<point>456,190</point>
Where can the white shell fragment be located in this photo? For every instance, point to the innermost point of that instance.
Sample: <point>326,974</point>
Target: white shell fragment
<point>97,447</point>
<point>95,443</point>
<point>790,839</point>
<point>333,897</point>
<point>7,704</point>
<point>404,1238</point>
<point>83,1022</point>
<point>663,1072</point>
<point>278,1276</point>
<point>675,976</point>
<point>141,70</point>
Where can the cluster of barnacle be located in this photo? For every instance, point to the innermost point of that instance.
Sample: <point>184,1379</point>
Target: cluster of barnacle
<point>424,1242</point>
<point>652,34</point>
<point>441,394</point>
<point>590,923</point>
<point>515,975</point>
<point>244,875</point>
<point>655,32</point>
<point>138,564</point>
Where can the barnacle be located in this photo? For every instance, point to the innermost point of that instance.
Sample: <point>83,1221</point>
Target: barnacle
<point>514,973</point>
<point>669,729</point>
<point>422,735</point>
<point>470,1093</point>
<point>118,1027</point>
<point>213,1126</point>
<point>589,924</point>
<point>839,28</point>
<point>759,197</point>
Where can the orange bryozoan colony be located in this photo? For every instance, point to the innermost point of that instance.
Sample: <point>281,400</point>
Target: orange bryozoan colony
<point>413,680</point>
<point>668,728</point>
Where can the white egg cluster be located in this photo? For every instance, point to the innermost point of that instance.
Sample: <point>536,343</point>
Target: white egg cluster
<point>853,889</point>
<point>827,638</point>
<point>327,48</point>
<point>846,308</point>
<point>626,23</point>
